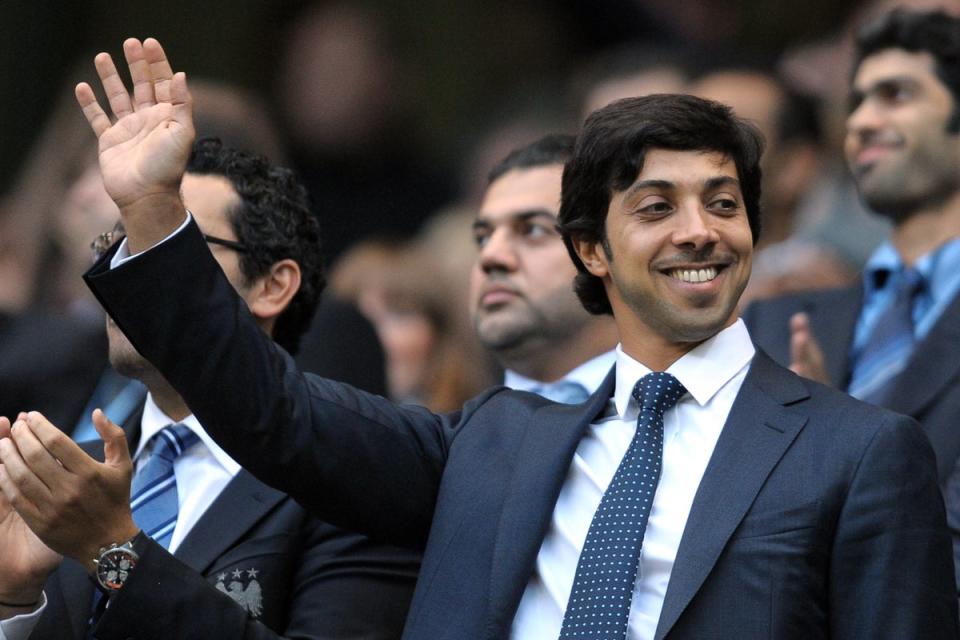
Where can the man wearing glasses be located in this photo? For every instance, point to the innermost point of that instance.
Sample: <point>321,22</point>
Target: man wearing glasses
<point>245,557</point>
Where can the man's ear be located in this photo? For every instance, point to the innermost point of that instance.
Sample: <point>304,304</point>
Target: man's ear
<point>272,292</point>
<point>592,255</point>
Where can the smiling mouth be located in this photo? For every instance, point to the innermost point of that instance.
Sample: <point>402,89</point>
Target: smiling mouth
<point>694,275</point>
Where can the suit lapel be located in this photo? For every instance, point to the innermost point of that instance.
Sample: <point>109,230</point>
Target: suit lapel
<point>757,433</point>
<point>242,503</point>
<point>545,455</point>
<point>932,365</point>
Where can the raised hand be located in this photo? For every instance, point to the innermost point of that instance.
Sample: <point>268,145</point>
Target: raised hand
<point>25,562</point>
<point>143,154</point>
<point>73,503</point>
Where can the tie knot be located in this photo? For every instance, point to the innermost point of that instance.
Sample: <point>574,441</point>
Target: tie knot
<point>909,282</point>
<point>657,391</point>
<point>171,441</point>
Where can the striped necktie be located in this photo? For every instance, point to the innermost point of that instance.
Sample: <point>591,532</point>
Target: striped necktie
<point>154,492</point>
<point>890,343</point>
<point>599,604</point>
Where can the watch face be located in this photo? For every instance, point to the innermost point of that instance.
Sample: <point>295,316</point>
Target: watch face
<point>114,567</point>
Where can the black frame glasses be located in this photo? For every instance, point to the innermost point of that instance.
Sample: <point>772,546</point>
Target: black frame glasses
<point>106,240</point>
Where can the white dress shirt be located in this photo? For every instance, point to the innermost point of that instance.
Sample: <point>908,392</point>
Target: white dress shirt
<point>712,373</point>
<point>589,374</point>
<point>202,472</point>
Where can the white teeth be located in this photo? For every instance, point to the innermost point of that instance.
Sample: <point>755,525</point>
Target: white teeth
<point>694,275</point>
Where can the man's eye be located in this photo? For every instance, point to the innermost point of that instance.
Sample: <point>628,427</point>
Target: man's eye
<point>656,208</point>
<point>892,92</point>
<point>534,231</point>
<point>480,238</point>
<point>724,204</point>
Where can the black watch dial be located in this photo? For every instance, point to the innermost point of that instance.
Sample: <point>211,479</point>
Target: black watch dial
<point>114,567</point>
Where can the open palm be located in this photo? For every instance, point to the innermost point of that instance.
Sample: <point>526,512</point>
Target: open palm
<point>144,152</point>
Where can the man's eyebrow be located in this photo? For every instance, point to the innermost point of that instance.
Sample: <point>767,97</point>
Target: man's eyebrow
<point>722,181</point>
<point>516,216</point>
<point>650,184</point>
<point>711,183</point>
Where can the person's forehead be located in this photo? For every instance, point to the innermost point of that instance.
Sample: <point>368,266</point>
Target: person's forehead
<point>686,167</point>
<point>209,197</point>
<point>892,64</point>
<point>521,190</point>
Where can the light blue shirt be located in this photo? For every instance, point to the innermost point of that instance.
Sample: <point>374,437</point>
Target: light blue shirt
<point>941,275</point>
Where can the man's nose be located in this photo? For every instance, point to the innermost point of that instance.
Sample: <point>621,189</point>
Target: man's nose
<point>498,252</point>
<point>695,227</point>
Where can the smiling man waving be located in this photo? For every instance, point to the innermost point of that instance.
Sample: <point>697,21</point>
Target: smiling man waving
<point>702,491</point>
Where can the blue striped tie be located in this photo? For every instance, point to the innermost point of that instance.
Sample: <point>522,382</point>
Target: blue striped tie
<point>599,605</point>
<point>890,344</point>
<point>154,491</point>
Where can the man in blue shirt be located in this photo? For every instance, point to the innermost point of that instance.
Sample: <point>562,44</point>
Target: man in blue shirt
<point>893,339</point>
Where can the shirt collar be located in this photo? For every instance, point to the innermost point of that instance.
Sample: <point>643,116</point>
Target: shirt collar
<point>884,259</point>
<point>154,419</point>
<point>704,370</point>
<point>589,374</point>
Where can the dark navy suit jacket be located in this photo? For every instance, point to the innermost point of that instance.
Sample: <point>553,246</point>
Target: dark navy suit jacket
<point>928,388</point>
<point>301,577</point>
<point>818,516</point>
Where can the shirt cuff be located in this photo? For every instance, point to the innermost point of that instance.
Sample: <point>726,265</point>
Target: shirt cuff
<point>123,253</point>
<point>19,627</point>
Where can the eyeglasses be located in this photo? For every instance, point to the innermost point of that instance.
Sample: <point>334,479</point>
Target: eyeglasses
<point>105,241</point>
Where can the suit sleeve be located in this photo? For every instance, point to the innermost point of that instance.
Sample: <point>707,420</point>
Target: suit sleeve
<point>352,458</point>
<point>890,571</point>
<point>343,587</point>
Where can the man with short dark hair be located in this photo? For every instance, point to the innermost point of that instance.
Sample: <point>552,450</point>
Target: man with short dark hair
<point>244,556</point>
<point>702,490</point>
<point>892,340</point>
<point>521,297</point>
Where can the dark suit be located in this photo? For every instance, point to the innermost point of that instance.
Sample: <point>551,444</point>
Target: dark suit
<point>301,577</point>
<point>928,388</point>
<point>818,516</point>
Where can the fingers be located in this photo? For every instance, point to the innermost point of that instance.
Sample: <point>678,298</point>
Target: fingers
<point>113,86</point>
<point>181,99</point>
<point>4,427</point>
<point>143,93</point>
<point>115,448</point>
<point>160,70</point>
<point>806,357</point>
<point>96,117</point>
<point>59,448</point>
<point>20,484</point>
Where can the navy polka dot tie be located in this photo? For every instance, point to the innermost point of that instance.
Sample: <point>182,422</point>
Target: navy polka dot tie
<point>599,605</point>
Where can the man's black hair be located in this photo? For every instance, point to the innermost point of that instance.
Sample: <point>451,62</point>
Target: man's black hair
<point>556,148</point>
<point>274,222</point>
<point>609,156</point>
<point>934,32</point>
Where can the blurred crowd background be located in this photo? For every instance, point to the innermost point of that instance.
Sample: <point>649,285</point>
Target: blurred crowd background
<point>394,111</point>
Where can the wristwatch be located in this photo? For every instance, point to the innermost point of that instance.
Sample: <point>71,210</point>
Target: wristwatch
<point>115,562</point>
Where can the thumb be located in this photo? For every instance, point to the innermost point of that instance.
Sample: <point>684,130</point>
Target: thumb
<point>115,450</point>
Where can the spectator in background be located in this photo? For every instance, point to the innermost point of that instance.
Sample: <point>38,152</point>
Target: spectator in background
<point>629,71</point>
<point>786,261</point>
<point>343,98</point>
<point>401,289</point>
<point>893,340</point>
<point>521,286</point>
<point>244,556</point>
